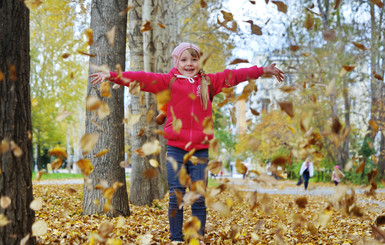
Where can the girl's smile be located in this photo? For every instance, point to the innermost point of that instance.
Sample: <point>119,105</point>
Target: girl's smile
<point>188,65</point>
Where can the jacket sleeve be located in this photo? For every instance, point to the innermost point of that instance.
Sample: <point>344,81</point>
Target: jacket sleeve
<point>231,78</point>
<point>149,82</point>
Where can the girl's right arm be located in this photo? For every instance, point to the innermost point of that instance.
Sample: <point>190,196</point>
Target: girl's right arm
<point>150,82</point>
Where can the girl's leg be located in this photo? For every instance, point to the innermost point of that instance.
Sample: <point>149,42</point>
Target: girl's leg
<point>306,180</point>
<point>175,214</point>
<point>335,183</point>
<point>197,172</point>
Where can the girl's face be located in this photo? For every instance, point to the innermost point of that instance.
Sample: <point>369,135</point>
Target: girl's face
<point>188,65</point>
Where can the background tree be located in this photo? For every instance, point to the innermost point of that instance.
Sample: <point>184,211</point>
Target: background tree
<point>15,123</point>
<point>109,49</point>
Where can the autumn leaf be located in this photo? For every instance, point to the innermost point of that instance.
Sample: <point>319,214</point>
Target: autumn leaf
<point>336,125</point>
<point>102,152</point>
<point>294,48</point>
<point>348,67</point>
<point>93,103</point>
<point>146,26</point>
<point>33,4</point>
<point>378,233</point>
<point>16,150</point>
<point>161,25</point>
<point>57,163</point>
<point>336,4</point>
<point>301,202</point>
<point>111,36</point>
<point>85,166</point>
<point>255,29</point>
<point>281,6</point>
<point>12,72</point>
<point>3,220</point>
<point>305,121</point>
<point>5,202</point>
<point>287,89</point>
<point>89,34</point>
<point>58,152</point>
<point>1,76</point>
<point>125,11</point>
<point>39,228</point>
<point>36,204</point>
<point>86,54</point>
<point>150,173</point>
<point>88,142</point>
<point>207,125</point>
<point>191,227</point>
<point>329,35</point>
<point>359,46</point>
<point>238,61</point>
<point>215,166</point>
<point>361,167</point>
<point>227,16</point>
<point>105,229</point>
<point>254,112</point>
<point>65,55</point>
<point>63,115</point>
<point>287,107</point>
<point>279,161</point>
<point>240,167</point>
<point>376,75</point>
<point>309,21</point>
<point>203,4</point>
<point>374,126</point>
<point>184,178</point>
<point>154,163</point>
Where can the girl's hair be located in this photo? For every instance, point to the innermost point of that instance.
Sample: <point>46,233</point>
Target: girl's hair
<point>204,83</point>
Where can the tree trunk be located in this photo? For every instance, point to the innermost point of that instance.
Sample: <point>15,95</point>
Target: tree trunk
<point>15,121</point>
<point>104,16</point>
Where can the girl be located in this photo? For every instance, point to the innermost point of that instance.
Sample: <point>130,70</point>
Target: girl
<point>190,102</point>
<point>337,175</point>
<point>307,171</point>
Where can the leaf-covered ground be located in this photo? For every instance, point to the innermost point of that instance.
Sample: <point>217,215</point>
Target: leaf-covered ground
<point>238,217</point>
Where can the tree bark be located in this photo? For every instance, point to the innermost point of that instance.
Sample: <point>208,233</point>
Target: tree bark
<point>104,16</point>
<point>15,121</point>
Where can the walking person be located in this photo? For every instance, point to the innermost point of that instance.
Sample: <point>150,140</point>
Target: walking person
<point>190,102</point>
<point>307,171</point>
<point>337,175</point>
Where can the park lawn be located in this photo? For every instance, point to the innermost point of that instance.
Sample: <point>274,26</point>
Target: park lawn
<point>235,218</point>
<point>57,176</point>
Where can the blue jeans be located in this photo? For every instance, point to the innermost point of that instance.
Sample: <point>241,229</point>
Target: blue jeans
<point>196,172</point>
<point>306,177</point>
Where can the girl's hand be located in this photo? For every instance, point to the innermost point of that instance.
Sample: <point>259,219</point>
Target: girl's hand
<point>99,77</point>
<point>272,70</point>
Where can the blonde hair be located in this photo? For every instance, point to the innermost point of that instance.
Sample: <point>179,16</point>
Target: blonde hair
<point>204,82</point>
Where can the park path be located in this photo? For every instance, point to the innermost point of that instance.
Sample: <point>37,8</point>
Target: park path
<point>267,185</point>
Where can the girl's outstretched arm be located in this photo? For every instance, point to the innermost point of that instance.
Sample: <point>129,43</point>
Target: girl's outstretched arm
<point>100,77</point>
<point>272,70</point>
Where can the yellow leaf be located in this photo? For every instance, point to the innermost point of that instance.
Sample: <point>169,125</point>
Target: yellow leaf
<point>105,229</point>
<point>39,228</point>
<point>360,46</point>
<point>111,36</point>
<point>4,146</point>
<point>85,166</point>
<point>5,202</point>
<point>88,142</point>
<point>154,163</point>
<point>207,125</point>
<point>58,152</point>
<point>240,167</point>
<point>36,204</point>
<point>184,178</point>
<point>146,26</point>
<point>102,152</point>
<point>33,4</point>
<point>57,163</point>
<point>215,166</point>
<point>89,34</point>
<point>105,89</point>
<point>281,6</point>
<point>63,115</point>
<point>3,220</point>
<point>104,110</point>
<point>93,103</point>
<point>17,151</point>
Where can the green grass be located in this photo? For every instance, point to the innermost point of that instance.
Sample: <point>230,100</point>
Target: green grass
<point>213,183</point>
<point>54,176</point>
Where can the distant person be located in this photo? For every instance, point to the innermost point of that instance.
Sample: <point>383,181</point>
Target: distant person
<point>307,171</point>
<point>337,175</point>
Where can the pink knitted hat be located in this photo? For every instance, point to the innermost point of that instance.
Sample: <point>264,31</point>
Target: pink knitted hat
<point>179,50</point>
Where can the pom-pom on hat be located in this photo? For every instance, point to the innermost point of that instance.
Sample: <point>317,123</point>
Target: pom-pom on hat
<point>179,50</point>
<point>337,166</point>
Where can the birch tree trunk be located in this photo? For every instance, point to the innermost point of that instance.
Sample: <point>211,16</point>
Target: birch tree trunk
<point>15,122</point>
<point>106,15</point>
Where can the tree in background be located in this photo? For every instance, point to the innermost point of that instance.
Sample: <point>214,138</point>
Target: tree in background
<point>104,130</point>
<point>15,124</point>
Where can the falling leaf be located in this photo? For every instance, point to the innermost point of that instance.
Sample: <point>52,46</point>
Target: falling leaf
<point>39,228</point>
<point>336,125</point>
<point>111,36</point>
<point>377,76</point>
<point>154,163</point>
<point>281,6</point>
<point>279,161</point>
<point>240,167</point>
<point>161,25</point>
<point>89,34</point>
<point>207,125</point>
<point>294,48</point>
<point>361,167</point>
<point>227,16</point>
<point>184,178</point>
<point>105,89</point>
<point>33,4</point>
<point>12,72</point>
<point>336,4</point>
<point>1,76</point>
<point>301,202</point>
<point>57,163</point>
<point>215,166</point>
<point>85,166</point>
<point>3,220</point>
<point>287,89</point>
<point>379,3</point>
<point>150,173</point>
<point>4,146</point>
<point>105,229</point>
<point>203,4</point>
<point>17,151</point>
<point>36,204</point>
<point>63,115</point>
<point>287,107</point>
<point>360,46</point>
<point>88,142</point>
<point>309,21</point>
<point>238,61</point>
<point>103,111</point>
<point>25,239</point>
<point>348,67</point>
<point>374,126</point>
<point>102,152</point>
<point>125,11</point>
<point>86,54</point>
<point>65,55</point>
<point>329,35</point>
<point>152,147</point>
<point>191,227</point>
<point>58,152</point>
<point>124,164</point>
<point>5,202</point>
<point>255,29</point>
<point>93,103</point>
<point>254,112</point>
<point>146,26</point>
<point>305,121</point>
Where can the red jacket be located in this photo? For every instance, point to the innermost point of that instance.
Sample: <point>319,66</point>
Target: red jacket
<point>191,133</point>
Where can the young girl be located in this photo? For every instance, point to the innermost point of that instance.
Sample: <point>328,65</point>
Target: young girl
<point>337,175</point>
<point>189,103</point>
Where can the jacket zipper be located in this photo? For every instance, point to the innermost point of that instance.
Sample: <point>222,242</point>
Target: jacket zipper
<point>192,113</point>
